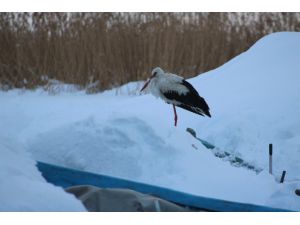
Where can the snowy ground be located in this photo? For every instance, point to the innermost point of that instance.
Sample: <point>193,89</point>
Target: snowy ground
<point>254,101</point>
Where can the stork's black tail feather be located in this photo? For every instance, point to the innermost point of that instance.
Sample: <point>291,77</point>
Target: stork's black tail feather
<point>195,103</point>
<point>201,108</point>
<point>190,101</point>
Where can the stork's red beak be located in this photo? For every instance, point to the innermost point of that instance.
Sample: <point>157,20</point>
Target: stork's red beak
<point>146,84</point>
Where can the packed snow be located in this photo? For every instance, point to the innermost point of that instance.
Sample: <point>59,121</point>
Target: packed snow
<point>22,187</point>
<point>254,101</point>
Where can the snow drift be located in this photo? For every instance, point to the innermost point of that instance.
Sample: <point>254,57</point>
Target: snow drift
<point>254,101</point>
<point>22,187</point>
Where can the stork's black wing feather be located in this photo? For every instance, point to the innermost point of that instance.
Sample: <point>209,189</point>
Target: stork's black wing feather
<point>191,101</point>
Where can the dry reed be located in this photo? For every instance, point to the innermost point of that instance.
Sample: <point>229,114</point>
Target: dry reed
<point>115,48</point>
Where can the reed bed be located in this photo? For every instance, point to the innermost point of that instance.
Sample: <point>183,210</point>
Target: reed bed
<point>105,50</point>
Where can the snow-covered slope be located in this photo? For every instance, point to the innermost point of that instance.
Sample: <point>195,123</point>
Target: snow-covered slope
<point>22,187</point>
<point>254,101</point>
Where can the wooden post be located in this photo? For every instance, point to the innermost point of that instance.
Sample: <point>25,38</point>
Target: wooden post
<point>270,158</point>
<point>282,176</point>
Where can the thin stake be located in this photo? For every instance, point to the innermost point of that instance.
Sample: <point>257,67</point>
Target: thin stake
<point>270,158</point>
<point>282,176</point>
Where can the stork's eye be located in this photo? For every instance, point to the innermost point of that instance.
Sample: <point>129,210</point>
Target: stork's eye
<point>153,75</point>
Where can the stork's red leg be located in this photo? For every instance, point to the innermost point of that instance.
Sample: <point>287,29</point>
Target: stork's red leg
<point>175,115</point>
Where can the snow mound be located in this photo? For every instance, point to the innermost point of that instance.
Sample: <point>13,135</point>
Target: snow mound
<point>255,100</point>
<point>22,188</point>
<point>119,147</point>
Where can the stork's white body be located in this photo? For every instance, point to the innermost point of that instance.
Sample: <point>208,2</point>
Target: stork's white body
<point>167,82</point>
<point>175,90</point>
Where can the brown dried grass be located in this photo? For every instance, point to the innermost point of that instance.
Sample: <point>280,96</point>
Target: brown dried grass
<point>115,48</point>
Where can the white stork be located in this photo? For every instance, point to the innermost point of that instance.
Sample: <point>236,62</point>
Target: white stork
<point>175,90</point>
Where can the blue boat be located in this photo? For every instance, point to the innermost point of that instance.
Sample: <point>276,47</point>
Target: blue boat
<point>65,177</point>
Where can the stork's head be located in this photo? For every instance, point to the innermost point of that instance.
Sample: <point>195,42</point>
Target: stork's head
<point>156,73</point>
